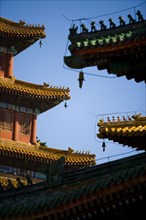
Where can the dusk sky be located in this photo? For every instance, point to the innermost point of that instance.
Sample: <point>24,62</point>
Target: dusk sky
<point>102,94</point>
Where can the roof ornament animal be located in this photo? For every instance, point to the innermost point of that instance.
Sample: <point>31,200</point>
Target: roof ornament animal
<point>121,20</point>
<point>46,84</point>
<point>140,16</point>
<point>22,22</point>
<point>93,27</point>
<point>129,118</point>
<point>118,118</point>
<point>84,29</point>
<point>70,150</point>
<point>102,25</point>
<point>112,23</point>
<point>136,116</point>
<point>131,19</point>
<point>73,30</point>
<point>124,119</point>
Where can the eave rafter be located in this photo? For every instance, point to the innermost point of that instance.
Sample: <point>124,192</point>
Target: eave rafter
<point>38,158</point>
<point>120,50</point>
<point>43,95</point>
<point>86,193</point>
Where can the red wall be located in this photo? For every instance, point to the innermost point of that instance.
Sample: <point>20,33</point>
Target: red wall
<point>6,134</point>
<point>21,135</point>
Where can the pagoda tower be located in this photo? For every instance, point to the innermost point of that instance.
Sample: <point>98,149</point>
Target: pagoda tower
<point>21,102</point>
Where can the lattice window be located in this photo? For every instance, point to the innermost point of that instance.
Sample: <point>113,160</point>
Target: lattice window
<point>6,120</point>
<point>24,122</point>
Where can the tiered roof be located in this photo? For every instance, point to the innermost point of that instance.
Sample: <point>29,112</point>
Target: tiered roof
<point>43,97</point>
<point>129,131</point>
<point>119,49</point>
<point>112,190</point>
<point>37,157</point>
<point>39,98</point>
<point>19,35</point>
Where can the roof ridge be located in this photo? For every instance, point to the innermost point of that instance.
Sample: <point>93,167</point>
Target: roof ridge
<point>31,85</point>
<point>42,149</point>
<point>21,24</point>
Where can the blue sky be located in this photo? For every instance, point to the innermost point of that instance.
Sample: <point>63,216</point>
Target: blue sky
<point>75,126</point>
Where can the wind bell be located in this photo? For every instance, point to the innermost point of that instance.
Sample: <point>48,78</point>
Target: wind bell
<point>103,145</point>
<point>81,79</point>
<point>65,105</point>
<point>40,43</point>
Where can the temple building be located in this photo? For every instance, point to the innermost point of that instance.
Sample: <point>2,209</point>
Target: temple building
<point>75,187</point>
<point>20,105</point>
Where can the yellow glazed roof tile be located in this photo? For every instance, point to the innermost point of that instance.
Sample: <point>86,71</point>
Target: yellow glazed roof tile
<point>41,96</point>
<point>20,30</point>
<point>130,131</point>
<point>19,35</point>
<point>41,154</point>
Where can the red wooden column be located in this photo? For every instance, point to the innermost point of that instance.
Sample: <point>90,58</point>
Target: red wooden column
<point>16,126</point>
<point>34,129</point>
<point>2,63</point>
<point>9,65</point>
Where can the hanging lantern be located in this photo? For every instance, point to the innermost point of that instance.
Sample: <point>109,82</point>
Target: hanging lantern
<point>103,146</point>
<point>81,79</point>
<point>40,43</point>
<point>65,105</point>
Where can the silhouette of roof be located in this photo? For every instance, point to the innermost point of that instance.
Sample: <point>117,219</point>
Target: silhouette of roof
<point>120,50</point>
<point>89,191</point>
